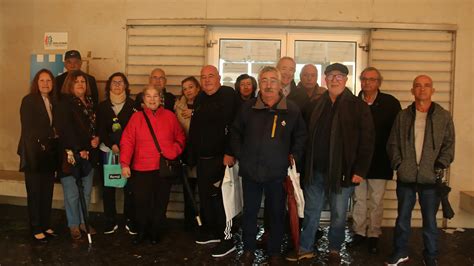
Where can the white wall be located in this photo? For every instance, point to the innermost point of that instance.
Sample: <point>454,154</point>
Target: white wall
<point>99,27</point>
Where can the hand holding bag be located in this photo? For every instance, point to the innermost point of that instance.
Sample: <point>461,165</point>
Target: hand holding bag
<point>232,196</point>
<point>113,172</point>
<point>169,169</point>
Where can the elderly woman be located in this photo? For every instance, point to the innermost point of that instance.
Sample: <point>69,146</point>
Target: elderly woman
<point>76,127</point>
<point>246,87</point>
<point>113,115</point>
<point>37,150</point>
<point>140,160</point>
<point>183,108</point>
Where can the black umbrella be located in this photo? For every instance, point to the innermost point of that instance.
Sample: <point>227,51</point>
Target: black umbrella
<point>77,172</point>
<point>190,193</point>
<point>443,191</point>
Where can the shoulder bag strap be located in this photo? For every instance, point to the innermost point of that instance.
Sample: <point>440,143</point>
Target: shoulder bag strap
<point>152,132</point>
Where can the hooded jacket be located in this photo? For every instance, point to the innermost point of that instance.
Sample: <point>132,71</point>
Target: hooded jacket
<point>438,145</point>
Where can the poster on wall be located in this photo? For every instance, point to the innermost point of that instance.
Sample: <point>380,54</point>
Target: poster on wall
<point>55,41</point>
<point>53,62</point>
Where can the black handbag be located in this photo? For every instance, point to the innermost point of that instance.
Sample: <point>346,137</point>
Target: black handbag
<point>169,169</point>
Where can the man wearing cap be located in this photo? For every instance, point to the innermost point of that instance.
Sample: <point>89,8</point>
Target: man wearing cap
<point>338,155</point>
<point>73,61</point>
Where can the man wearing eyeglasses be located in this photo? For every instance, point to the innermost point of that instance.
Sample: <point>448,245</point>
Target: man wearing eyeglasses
<point>368,207</point>
<point>158,80</point>
<point>338,155</point>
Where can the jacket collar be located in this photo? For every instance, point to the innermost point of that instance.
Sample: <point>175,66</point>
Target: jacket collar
<point>281,105</point>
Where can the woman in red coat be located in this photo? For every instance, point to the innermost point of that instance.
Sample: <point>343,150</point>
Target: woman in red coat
<point>140,160</point>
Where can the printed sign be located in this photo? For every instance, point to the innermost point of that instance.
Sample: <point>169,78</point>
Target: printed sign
<point>55,40</point>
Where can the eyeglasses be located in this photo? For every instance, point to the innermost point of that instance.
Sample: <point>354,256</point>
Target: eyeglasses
<point>158,78</point>
<point>117,83</point>
<point>338,77</point>
<point>368,79</point>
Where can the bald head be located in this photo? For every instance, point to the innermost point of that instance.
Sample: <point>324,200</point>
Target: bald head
<point>210,79</point>
<point>309,76</point>
<point>158,78</point>
<point>424,78</point>
<point>422,89</point>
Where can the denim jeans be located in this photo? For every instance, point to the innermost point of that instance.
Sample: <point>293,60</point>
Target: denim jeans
<point>315,196</point>
<point>429,203</point>
<point>71,197</point>
<point>274,203</point>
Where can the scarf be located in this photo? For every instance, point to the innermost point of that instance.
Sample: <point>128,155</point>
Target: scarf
<point>87,109</point>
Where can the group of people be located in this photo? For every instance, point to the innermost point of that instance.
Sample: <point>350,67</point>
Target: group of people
<point>342,144</point>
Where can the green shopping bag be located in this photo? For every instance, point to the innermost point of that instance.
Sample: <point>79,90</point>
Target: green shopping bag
<point>113,172</point>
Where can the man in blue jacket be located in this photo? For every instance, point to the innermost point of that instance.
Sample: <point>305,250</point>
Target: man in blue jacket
<point>267,135</point>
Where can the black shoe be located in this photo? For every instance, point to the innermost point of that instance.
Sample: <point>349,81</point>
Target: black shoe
<point>204,239</point>
<point>356,240</point>
<point>396,259</point>
<point>131,228</point>
<point>372,242</point>
<point>430,261</point>
<point>110,229</point>
<point>155,238</point>
<point>138,239</point>
<point>223,248</point>
<point>247,258</point>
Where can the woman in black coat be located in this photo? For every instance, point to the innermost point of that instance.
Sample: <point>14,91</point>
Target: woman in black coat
<point>78,142</point>
<point>37,150</point>
<point>113,115</point>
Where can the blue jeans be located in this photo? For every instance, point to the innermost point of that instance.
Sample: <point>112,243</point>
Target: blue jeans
<point>275,202</point>
<point>71,198</point>
<point>429,203</point>
<point>315,196</point>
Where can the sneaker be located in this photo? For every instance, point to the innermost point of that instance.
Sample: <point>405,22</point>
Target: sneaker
<point>292,256</point>
<point>247,258</point>
<point>372,245</point>
<point>131,229</point>
<point>75,232</point>
<point>110,229</point>
<point>224,248</point>
<point>356,240</point>
<point>92,231</point>
<point>430,261</point>
<point>395,259</point>
<point>204,239</point>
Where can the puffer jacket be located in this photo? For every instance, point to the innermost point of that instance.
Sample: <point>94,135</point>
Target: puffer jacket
<point>438,145</point>
<point>137,148</point>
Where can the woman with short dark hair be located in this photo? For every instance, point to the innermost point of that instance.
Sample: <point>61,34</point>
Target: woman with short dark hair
<point>113,115</point>
<point>37,149</point>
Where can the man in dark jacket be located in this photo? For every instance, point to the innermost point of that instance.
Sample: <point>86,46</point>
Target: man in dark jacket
<point>267,132</point>
<point>368,207</point>
<point>338,155</point>
<point>420,147</point>
<point>158,80</point>
<point>209,143</point>
<point>73,61</point>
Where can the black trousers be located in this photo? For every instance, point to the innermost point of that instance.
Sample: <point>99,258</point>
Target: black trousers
<point>151,196</point>
<point>210,173</point>
<point>110,210</point>
<point>39,190</point>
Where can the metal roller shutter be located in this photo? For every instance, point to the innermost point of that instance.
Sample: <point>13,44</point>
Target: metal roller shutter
<point>401,55</point>
<point>181,52</point>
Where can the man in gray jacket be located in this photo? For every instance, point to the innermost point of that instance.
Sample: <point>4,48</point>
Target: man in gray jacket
<point>420,147</point>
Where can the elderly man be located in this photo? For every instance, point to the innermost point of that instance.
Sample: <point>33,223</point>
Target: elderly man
<point>158,80</point>
<point>287,67</point>
<point>73,61</point>
<point>420,147</point>
<point>338,155</point>
<point>368,207</point>
<point>309,85</point>
<point>209,143</point>
<point>267,132</point>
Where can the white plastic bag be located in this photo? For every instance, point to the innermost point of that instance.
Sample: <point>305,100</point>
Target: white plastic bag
<point>232,192</point>
<point>295,180</point>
